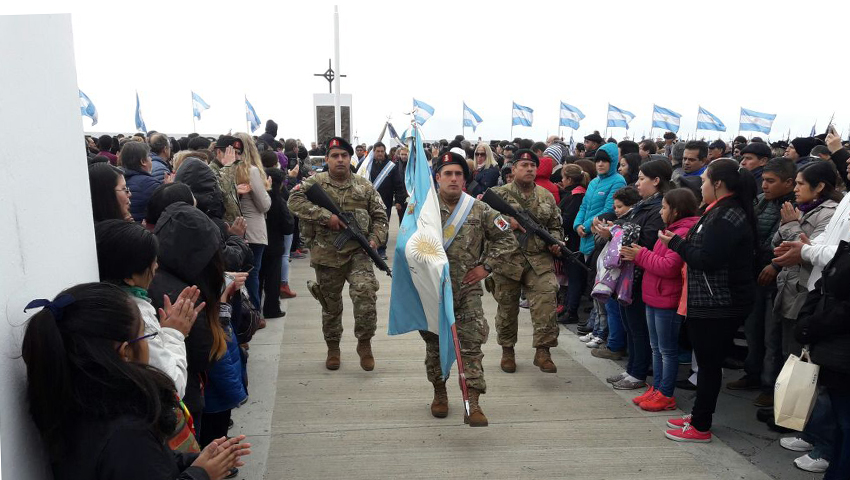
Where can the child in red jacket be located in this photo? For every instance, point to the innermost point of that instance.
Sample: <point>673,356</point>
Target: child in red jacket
<point>662,290</point>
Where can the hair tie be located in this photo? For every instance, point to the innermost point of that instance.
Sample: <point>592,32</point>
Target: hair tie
<point>56,306</point>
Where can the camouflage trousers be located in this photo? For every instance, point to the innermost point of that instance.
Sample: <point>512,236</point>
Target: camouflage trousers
<point>472,332</point>
<point>541,291</point>
<point>362,288</point>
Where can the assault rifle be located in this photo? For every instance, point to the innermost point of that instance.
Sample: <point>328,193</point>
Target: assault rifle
<point>531,226</point>
<point>352,231</point>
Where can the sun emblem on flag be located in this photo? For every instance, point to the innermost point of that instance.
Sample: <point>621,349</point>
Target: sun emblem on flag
<point>426,249</point>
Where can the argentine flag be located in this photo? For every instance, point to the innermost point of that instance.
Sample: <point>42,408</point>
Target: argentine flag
<point>198,105</point>
<point>421,294</point>
<point>251,115</point>
<point>87,108</point>
<point>665,118</point>
<point>708,121</point>
<point>422,111</point>
<point>570,116</point>
<point>521,115</point>
<point>754,121</point>
<point>470,118</point>
<point>140,122</point>
<point>617,117</point>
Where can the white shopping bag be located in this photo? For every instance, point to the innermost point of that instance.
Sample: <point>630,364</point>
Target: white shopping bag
<point>795,391</point>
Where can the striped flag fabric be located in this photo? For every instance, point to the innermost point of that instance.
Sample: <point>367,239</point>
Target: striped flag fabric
<point>708,121</point>
<point>140,122</point>
<point>665,118</point>
<point>570,116</point>
<point>422,111</point>
<point>470,118</point>
<point>421,294</point>
<point>521,115</point>
<point>251,115</point>
<point>198,105</point>
<point>87,108</point>
<point>754,121</point>
<point>617,117</point>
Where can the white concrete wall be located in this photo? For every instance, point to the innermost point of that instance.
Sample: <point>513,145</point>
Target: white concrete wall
<point>46,231</point>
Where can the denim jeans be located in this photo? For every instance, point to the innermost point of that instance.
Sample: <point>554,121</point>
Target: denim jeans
<point>664,339</point>
<point>839,465</point>
<point>820,430</point>
<point>253,281</point>
<point>637,338</point>
<point>601,328</point>
<point>284,263</point>
<point>616,331</point>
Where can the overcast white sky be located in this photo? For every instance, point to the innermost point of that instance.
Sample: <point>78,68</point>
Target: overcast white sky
<point>787,58</point>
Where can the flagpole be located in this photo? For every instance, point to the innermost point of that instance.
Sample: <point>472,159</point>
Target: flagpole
<point>337,108</point>
<point>247,123</point>
<point>606,120</point>
<point>512,122</point>
<point>194,128</point>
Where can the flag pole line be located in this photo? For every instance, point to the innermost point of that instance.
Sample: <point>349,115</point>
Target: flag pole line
<point>194,127</point>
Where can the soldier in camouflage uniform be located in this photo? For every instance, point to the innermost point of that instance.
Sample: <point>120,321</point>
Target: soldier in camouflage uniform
<point>228,150</point>
<point>355,194</point>
<point>538,276</point>
<point>482,244</point>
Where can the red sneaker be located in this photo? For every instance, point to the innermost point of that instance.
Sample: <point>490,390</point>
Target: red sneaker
<point>688,434</point>
<point>645,396</point>
<point>658,402</point>
<point>560,309</point>
<point>285,292</point>
<point>679,422</point>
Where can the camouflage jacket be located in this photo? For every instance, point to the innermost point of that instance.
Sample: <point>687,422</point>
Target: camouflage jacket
<point>356,195</point>
<point>541,204</point>
<point>226,177</point>
<point>481,240</point>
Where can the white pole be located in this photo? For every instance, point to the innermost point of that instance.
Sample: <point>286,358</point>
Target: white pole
<point>337,109</point>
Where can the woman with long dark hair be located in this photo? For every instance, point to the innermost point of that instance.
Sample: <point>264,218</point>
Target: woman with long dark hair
<point>110,197</point>
<point>103,412</point>
<point>719,252</point>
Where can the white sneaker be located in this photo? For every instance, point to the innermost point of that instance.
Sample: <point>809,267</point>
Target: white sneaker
<point>586,338</point>
<point>809,464</point>
<point>595,342</point>
<point>796,444</point>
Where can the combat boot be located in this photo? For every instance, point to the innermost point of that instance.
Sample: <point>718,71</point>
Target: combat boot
<point>332,363</point>
<point>440,404</point>
<point>476,416</point>
<point>364,349</point>
<point>508,363</point>
<point>543,360</point>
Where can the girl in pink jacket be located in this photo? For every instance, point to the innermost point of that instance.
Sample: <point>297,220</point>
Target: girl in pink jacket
<point>662,290</point>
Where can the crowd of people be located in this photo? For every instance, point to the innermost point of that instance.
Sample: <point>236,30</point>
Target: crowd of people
<point>678,245</point>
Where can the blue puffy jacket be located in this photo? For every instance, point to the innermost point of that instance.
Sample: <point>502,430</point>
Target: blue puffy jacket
<point>141,185</point>
<point>160,168</point>
<point>599,198</point>
<point>225,388</point>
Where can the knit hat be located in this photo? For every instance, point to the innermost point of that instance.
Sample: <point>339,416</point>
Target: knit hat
<point>555,152</point>
<point>804,145</point>
<point>608,152</point>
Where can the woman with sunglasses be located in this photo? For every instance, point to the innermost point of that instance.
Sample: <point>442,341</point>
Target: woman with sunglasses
<point>486,170</point>
<point>103,412</point>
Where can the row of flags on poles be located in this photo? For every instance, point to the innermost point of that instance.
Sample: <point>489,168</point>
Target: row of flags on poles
<point>571,117</point>
<point>87,109</point>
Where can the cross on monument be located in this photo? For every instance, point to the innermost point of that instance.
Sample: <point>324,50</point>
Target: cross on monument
<point>329,76</point>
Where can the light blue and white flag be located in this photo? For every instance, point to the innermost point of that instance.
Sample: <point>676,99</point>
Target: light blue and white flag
<point>754,121</point>
<point>570,116</point>
<point>708,121</point>
<point>665,118</point>
<point>814,129</point>
<point>572,145</point>
<point>521,115</point>
<point>422,111</point>
<point>140,122</point>
<point>617,117</point>
<point>198,105</point>
<point>421,293</point>
<point>470,118</point>
<point>87,108</point>
<point>393,134</point>
<point>251,115</point>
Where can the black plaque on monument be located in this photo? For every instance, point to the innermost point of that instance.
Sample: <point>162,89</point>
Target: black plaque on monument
<point>326,125</point>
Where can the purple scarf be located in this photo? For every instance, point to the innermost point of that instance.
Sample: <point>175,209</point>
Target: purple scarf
<point>808,207</point>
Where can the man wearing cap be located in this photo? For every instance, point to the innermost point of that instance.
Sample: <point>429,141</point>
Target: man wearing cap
<point>228,150</point>
<point>669,139</point>
<point>716,150</point>
<point>354,194</point>
<point>592,143</point>
<point>477,241</point>
<point>754,157</point>
<point>799,151</point>
<point>538,277</point>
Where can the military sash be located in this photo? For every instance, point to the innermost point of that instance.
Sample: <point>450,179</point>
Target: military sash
<point>457,219</point>
<point>383,175</point>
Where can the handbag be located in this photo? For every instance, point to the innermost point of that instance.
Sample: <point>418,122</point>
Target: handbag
<point>795,391</point>
<point>248,321</point>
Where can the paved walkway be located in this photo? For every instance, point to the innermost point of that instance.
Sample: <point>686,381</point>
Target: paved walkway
<point>308,422</point>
